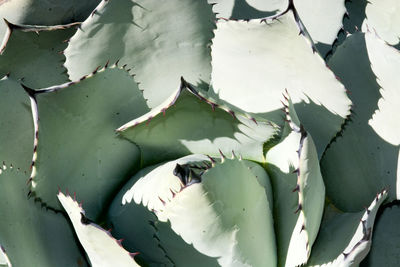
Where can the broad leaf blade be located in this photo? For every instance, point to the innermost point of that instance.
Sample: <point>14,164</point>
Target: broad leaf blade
<point>322,18</point>
<point>365,158</point>
<point>252,75</point>
<point>32,235</point>
<point>16,127</point>
<point>385,239</point>
<point>299,192</point>
<point>157,242</point>
<point>345,238</point>
<point>43,12</point>
<point>101,248</point>
<point>382,18</point>
<point>76,135</point>
<point>188,123</point>
<point>32,54</point>
<point>225,214</point>
<point>163,39</point>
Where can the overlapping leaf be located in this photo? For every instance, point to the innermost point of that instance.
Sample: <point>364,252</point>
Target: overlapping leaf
<point>385,239</point>
<point>224,211</point>
<point>101,248</point>
<point>382,18</point>
<point>32,235</point>
<point>322,18</point>
<point>78,148</point>
<point>161,40</point>
<point>253,62</point>
<point>156,241</point>
<point>299,192</point>
<point>43,12</point>
<point>16,127</point>
<point>188,123</point>
<point>345,238</point>
<point>365,158</point>
<point>28,48</point>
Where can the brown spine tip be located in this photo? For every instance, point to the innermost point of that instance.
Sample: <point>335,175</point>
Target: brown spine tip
<point>299,207</point>
<point>162,201</point>
<point>296,189</point>
<point>222,154</point>
<point>211,159</point>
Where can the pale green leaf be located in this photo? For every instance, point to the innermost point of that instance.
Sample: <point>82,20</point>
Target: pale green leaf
<point>252,75</point>
<point>188,123</point>
<point>16,127</point>
<point>160,40</point>
<point>365,158</point>
<point>157,242</point>
<point>44,12</point>
<point>299,192</point>
<point>385,240</point>
<point>32,54</point>
<point>77,135</point>
<point>32,235</point>
<point>226,214</point>
<point>101,248</point>
<point>345,238</point>
<point>383,19</point>
<point>322,18</point>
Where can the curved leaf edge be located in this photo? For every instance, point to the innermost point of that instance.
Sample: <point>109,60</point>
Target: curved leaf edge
<point>35,115</point>
<point>295,125</point>
<point>171,100</point>
<point>30,28</point>
<point>86,221</point>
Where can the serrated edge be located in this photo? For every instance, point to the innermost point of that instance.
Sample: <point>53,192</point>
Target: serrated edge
<point>303,134</point>
<point>171,101</point>
<point>85,221</point>
<point>30,28</point>
<point>36,119</point>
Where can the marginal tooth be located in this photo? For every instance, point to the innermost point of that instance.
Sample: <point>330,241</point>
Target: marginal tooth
<point>296,189</point>
<point>299,207</point>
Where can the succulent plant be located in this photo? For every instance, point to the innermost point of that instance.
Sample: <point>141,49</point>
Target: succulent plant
<point>199,133</point>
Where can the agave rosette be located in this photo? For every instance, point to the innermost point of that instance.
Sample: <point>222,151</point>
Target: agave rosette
<point>195,130</point>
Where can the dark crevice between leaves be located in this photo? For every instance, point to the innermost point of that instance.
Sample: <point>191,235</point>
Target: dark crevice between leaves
<point>156,237</point>
<point>367,232</point>
<point>352,22</point>
<point>339,134</point>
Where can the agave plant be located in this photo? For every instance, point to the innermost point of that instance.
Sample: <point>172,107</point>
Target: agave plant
<point>200,133</point>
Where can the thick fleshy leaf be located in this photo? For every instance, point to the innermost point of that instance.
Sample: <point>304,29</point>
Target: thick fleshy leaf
<point>365,158</point>
<point>101,248</point>
<point>285,62</point>
<point>223,211</point>
<point>164,39</point>
<point>322,18</point>
<point>247,9</point>
<point>157,242</point>
<point>385,240</point>
<point>345,238</point>
<point>32,235</point>
<point>31,54</point>
<point>16,127</point>
<point>382,18</point>
<point>76,135</point>
<point>299,192</point>
<point>44,12</point>
<point>188,123</point>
